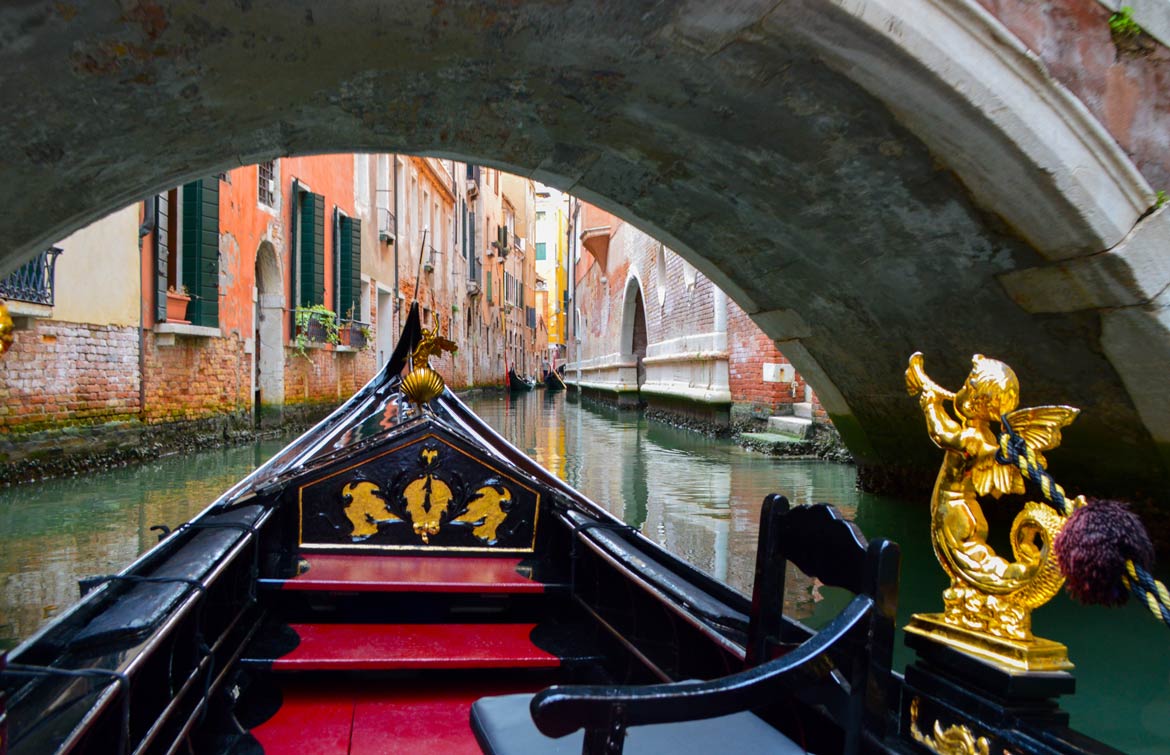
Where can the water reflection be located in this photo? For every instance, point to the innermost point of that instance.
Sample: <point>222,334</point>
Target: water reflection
<point>698,497</point>
<point>55,532</point>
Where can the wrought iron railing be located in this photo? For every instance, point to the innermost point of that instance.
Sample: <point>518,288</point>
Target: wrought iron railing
<point>33,281</point>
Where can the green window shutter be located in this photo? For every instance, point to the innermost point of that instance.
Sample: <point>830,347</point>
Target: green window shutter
<point>489,285</point>
<point>312,236</point>
<point>201,250</point>
<point>162,227</point>
<point>472,272</point>
<point>540,250</point>
<point>349,284</point>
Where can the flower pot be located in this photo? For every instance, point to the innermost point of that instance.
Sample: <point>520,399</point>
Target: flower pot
<point>352,335</point>
<point>177,306</point>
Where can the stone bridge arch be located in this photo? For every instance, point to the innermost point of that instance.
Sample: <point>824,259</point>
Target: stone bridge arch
<point>865,178</point>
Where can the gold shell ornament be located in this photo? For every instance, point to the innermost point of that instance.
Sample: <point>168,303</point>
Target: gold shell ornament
<point>423,385</point>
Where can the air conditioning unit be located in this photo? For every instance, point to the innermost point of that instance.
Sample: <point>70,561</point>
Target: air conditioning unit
<point>472,188</point>
<point>473,288</point>
<point>270,185</point>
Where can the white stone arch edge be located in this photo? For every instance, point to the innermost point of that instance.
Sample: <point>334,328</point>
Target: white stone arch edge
<point>270,328</point>
<point>971,90</point>
<point>630,294</point>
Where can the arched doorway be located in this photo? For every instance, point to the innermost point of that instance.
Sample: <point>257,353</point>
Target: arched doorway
<point>634,341</point>
<point>268,386</point>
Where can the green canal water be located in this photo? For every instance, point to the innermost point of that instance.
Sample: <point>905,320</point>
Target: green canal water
<point>698,497</point>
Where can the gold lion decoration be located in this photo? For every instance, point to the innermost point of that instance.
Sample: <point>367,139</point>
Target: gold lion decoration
<point>988,606</point>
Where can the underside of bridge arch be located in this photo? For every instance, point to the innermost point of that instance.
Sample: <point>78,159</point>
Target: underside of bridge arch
<point>867,179</point>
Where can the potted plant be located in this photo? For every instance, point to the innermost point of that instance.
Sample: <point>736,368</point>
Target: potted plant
<point>315,324</point>
<point>177,301</point>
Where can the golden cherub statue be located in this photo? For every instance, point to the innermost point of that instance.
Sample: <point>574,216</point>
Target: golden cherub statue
<point>990,599</point>
<point>431,344</point>
<point>423,384</point>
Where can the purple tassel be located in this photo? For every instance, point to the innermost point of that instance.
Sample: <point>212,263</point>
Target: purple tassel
<point>1094,545</point>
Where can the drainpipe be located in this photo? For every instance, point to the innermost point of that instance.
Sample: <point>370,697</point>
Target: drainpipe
<point>149,225</point>
<point>395,325</point>
<point>570,281</point>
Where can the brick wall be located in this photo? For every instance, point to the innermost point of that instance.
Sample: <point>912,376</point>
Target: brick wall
<point>60,372</point>
<point>749,350</point>
<point>680,301</point>
<point>195,377</point>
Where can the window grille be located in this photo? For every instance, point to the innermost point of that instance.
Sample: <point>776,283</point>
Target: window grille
<point>266,183</point>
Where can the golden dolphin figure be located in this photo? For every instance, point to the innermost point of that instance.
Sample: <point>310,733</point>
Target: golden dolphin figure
<point>365,509</point>
<point>486,512</point>
<point>989,593</point>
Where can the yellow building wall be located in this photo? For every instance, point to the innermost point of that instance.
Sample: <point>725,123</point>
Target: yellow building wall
<point>99,278</point>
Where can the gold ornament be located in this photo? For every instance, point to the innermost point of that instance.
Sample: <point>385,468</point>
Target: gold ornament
<point>989,604</point>
<point>423,384</point>
<point>954,740</point>
<point>7,328</point>
<point>427,500</point>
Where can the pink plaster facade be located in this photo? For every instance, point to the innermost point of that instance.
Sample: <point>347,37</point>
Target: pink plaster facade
<point>688,322</point>
<point>1124,83</point>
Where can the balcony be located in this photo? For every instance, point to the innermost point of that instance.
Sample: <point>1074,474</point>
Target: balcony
<point>29,289</point>
<point>472,181</point>
<point>387,225</point>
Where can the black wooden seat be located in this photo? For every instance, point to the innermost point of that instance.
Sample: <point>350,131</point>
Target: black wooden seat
<point>842,670</point>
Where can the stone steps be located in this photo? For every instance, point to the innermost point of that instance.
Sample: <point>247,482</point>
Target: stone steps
<point>794,426</point>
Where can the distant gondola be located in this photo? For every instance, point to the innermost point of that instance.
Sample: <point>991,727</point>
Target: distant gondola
<point>554,379</point>
<point>402,579</point>
<point>519,383</point>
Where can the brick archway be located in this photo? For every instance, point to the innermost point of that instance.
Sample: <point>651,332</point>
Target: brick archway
<point>634,335</point>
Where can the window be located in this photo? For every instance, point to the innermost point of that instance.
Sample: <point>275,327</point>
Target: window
<point>187,250</point>
<point>266,183</point>
<point>510,221</point>
<point>361,179</point>
<point>540,253</point>
<point>349,282</point>
<point>472,270</point>
<point>311,249</point>
<point>384,200</point>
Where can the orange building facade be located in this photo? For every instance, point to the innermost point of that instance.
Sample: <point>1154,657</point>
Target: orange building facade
<point>271,293</point>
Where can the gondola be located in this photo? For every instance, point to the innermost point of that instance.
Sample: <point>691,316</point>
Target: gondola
<point>402,579</point>
<point>520,383</point>
<point>554,380</point>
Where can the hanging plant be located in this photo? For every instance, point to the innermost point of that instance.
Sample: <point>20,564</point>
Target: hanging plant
<point>315,324</point>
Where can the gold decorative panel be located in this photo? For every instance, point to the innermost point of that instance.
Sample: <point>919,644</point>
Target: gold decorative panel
<point>427,493</point>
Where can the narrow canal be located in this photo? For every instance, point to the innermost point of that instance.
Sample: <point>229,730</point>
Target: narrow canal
<point>699,497</point>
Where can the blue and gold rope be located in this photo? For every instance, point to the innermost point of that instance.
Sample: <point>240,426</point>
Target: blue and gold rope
<point>1014,450</point>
